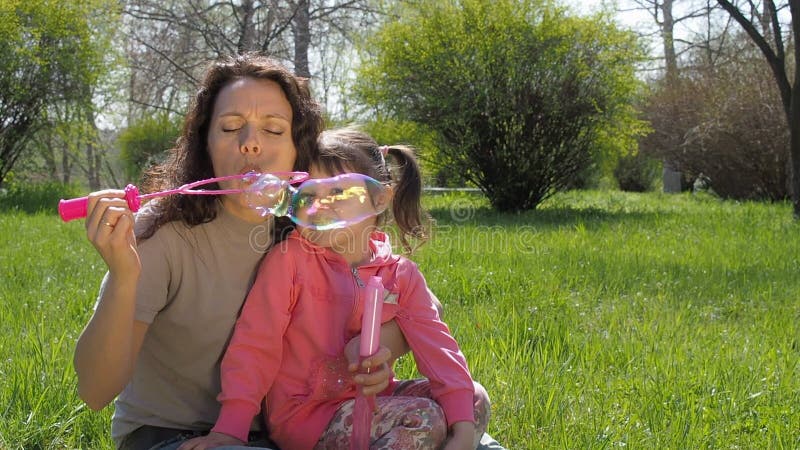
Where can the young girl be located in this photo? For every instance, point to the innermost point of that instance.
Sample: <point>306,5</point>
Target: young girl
<point>305,306</point>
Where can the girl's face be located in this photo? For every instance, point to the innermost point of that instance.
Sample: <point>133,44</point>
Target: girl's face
<point>352,241</point>
<point>250,130</point>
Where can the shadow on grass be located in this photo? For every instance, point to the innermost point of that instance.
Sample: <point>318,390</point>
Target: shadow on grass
<point>546,218</point>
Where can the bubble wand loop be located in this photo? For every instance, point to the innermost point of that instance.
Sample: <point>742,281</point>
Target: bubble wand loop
<point>370,338</point>
<point>319,204</point>
<point>76,208</point>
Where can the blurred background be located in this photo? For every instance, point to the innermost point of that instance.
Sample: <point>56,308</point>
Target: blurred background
<point>518,98</point>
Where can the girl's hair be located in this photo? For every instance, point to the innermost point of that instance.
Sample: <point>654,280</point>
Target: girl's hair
<point>189,160</point>
<point>351,150</point>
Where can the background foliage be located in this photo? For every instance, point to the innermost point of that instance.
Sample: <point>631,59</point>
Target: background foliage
<point>51,57</point>
<point>723,122</point>
<point>146,142</point>
<point>521,95</point>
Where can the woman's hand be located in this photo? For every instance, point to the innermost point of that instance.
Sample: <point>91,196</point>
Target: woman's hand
<point>109,227</point>
<point>211,440</point>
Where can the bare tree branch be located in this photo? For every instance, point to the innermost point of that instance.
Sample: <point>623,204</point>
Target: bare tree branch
<point>167,58</point>
<point>776,63</point>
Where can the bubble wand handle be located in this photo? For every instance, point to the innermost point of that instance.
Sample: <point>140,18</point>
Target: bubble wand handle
<point>370,338</point>
<point>371,320</point>
<point>76,208</point>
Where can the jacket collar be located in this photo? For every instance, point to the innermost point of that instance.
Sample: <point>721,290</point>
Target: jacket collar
<point>378,241</point>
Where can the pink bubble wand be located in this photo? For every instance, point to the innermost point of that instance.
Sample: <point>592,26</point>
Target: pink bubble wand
<point>76,208</point>
<point>370,338</point>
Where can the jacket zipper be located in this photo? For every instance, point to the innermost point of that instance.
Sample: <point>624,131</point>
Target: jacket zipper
<point>357,289</point>
<point>358,278</point>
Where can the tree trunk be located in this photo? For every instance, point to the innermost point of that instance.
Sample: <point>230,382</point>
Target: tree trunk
<point>671,175</point>
<point>91,170</point>
<point>794,111</point>
<point>247,32</point>
<point>93,157</point>
<point>794,148</point>
<point>49,157</point>
<point>66,164</point>
<point>98,166</point>
<point>668,36</point>
<point>302,39</point>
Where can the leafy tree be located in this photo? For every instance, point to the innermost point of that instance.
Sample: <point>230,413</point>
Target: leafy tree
<point>145,142</point>
<point>729,130</point>
<point>48,56</point>
<point>520,94</point>
<point>435,172</point>
<point>170,41</point>
<point>636,172</point>
<point>767,31</point>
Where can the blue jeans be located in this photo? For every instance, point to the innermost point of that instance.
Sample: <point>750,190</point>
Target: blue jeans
<point>146,438</point>
<point>158,438</point>
<point>487,443</point>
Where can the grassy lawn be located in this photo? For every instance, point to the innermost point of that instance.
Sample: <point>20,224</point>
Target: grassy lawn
<point>601,320</point>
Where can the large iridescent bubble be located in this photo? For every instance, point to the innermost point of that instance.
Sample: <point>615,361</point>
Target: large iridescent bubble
<point>322,203</point>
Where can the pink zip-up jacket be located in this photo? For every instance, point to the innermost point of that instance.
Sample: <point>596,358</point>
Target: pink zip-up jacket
<point>289,341</point>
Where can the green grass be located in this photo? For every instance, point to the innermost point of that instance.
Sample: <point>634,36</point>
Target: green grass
<point>601,320</point>
<point>48,282</point>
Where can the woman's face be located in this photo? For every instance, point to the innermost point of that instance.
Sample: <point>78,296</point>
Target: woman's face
<point>250,130</point>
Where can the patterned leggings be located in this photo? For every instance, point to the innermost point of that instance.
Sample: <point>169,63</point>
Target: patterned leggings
<point>408,419</point>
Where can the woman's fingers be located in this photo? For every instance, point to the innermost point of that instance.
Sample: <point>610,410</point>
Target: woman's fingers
<point>104,208</point>
<point>109,227</point>
<point>104,211</point>
<point>107,223</point>
<point>98,203</point>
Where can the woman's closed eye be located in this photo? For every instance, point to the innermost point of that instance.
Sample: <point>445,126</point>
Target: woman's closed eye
<point>230,125</point>
<point>275,131</point>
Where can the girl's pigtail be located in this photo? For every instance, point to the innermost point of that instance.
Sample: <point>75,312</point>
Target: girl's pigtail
<point>406,206</point>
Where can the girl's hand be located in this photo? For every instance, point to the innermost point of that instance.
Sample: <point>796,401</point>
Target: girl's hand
<point>211,440</point>
<point>462,437</point>
<point>109,227</point>
<point>373,373</point>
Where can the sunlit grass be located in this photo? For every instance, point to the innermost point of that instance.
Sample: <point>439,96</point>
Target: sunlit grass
<point>601,320</point>
<point>48,282</point>
<point>607,319</point>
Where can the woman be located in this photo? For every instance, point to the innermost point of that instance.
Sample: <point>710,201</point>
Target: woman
<point>178,273</point>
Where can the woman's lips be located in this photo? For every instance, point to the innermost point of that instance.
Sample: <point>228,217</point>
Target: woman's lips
<point>248,169</point>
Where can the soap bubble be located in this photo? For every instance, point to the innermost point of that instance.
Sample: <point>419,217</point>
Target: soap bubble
<point>320,204</point>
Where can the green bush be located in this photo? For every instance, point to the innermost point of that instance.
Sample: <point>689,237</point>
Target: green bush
<point>636,173</point>
<point>146,142</point>
<point>723,123</point>
<point>436,170</point>
<point>523,98</point>
<point>36,197</point>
